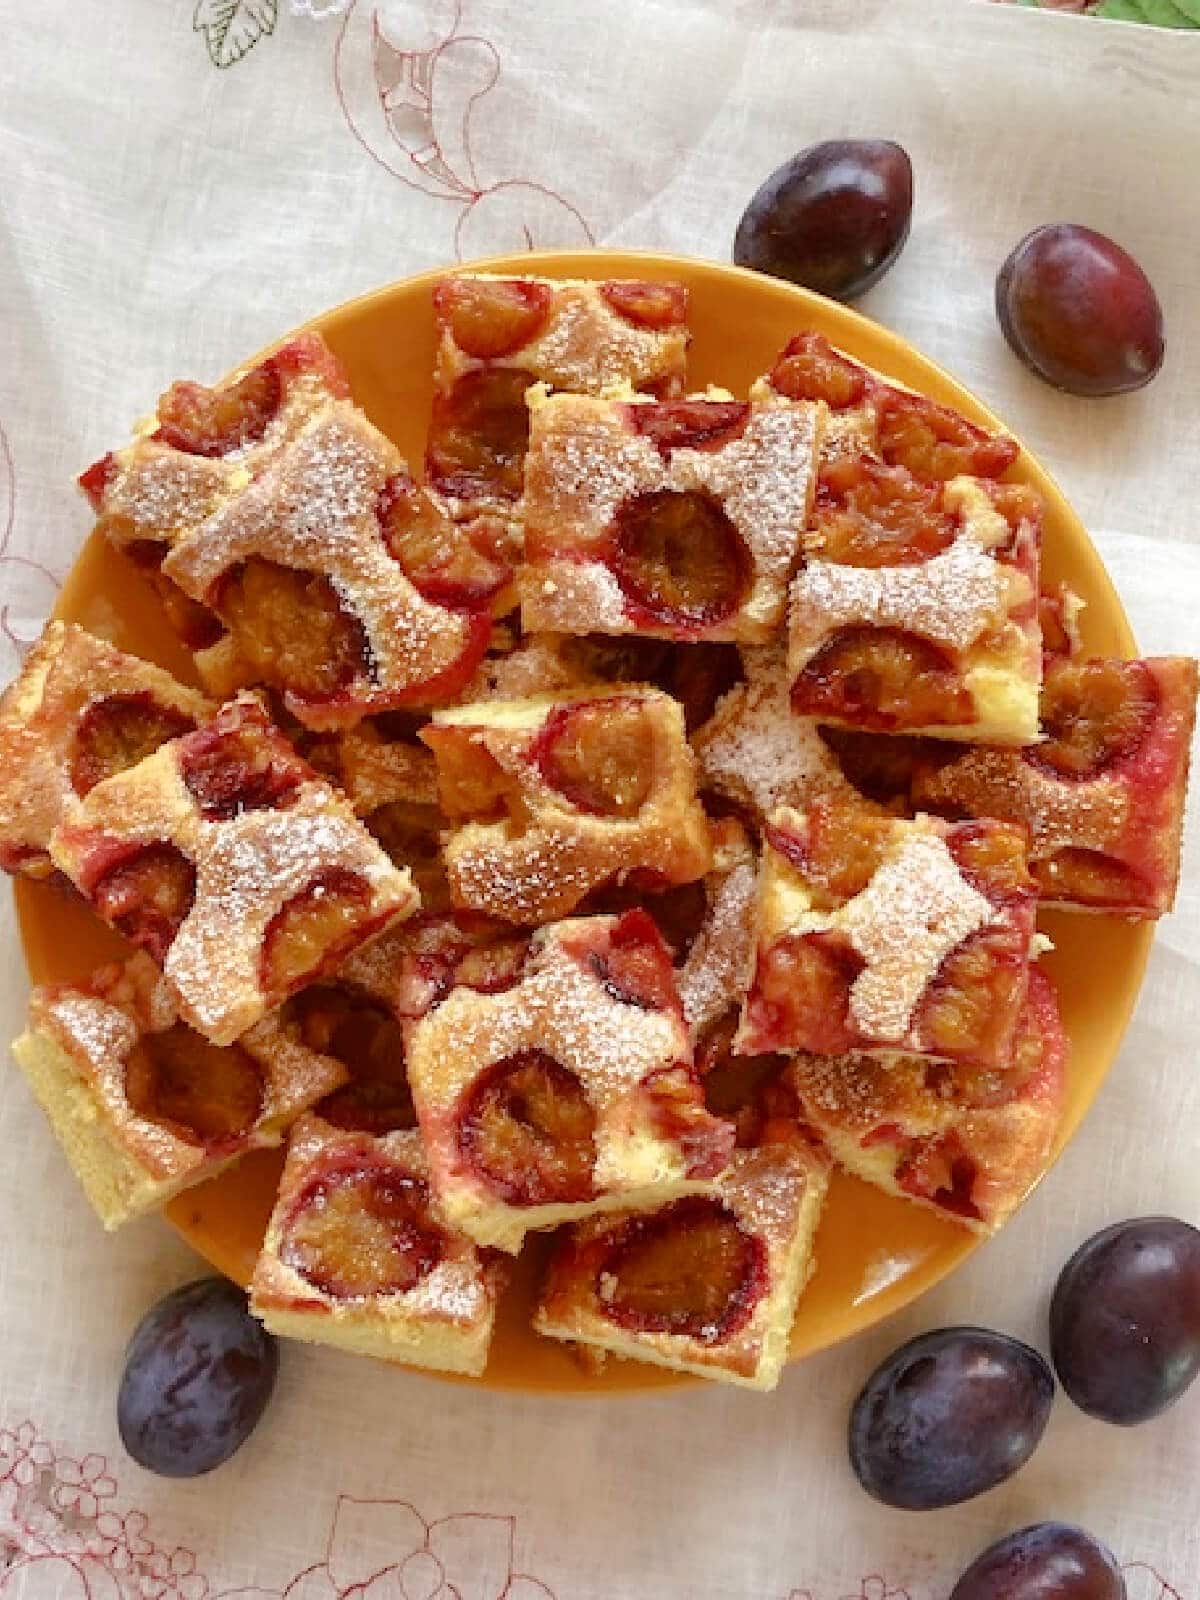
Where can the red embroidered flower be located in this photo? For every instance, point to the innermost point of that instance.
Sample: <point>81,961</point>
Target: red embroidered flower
<point>181,1578</point>
<point>81,1485</point>
<point>127,1537</point>
<point>23,1456</point>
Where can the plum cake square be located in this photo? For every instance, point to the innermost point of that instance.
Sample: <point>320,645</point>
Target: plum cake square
<point>886,936</point>
<point>568,1092</point>
<point>916,608</point>
<point>551,797</point>
<point>80,711</point>
<point>143,1106</point>
<point>239,871</point>
<point>964,1141</point>
<point>342,585</point>
<point>705,1284</point>
<point>680,519</point>
<point>201,447</point>
<point>1102,795</point>
<point>498,336</point>
<point>359,1255</point>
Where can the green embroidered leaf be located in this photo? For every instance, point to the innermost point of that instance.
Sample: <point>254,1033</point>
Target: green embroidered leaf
<point>1120,11</point>
<point>1190,9</point>
<point>232,27</point>
<point>1166,13</point>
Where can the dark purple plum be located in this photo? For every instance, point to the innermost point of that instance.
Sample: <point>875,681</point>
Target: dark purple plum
<point>1125,1319</point>
<point>1080,312</point>
<point>833,218</point>
<point>1049,1561</point>
<point>199,1371</point>
<point>947,1416</point>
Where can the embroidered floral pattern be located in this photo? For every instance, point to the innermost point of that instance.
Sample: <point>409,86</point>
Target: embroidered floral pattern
<point>61,1535</point>
<point>409,85</point>
<point>23,1456</point>
<point>82,1486</point>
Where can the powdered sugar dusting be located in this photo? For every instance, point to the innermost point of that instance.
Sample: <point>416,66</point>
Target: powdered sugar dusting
<point>314,509</point>
<point>561,593</point>
<point>952,599</point>
<point>585,346</point>
<point>100,1032</point>
<point>454,1290</point>
<point>247,869</point>
<point>585,461</point>
<point>764,1188</point>
<point>532,876</point>
<point>916,909</point>
<point>561,1006</point>
<point>757,752</point>
<point>764,480</point>
<point>160,493</point>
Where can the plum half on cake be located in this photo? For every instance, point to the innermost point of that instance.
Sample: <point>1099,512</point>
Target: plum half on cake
<point>604,835</point>
<point>681,520</point>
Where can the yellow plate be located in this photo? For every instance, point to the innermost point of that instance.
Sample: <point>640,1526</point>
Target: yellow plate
<point>875,1254</point>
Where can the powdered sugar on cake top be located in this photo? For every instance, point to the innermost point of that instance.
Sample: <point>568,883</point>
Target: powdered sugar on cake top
<point>951,599</point>
<point>561,1006</point>
<point>756,751</point>
<point>763,481</point>
<point>585,346</point>
<point>159,493</point>
<point>315,510</point>
<point>916,909</point>
<point>586,461</point>
<point>247,869</point>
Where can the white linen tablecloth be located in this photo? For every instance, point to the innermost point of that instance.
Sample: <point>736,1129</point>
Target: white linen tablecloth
<point>165,209</point>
